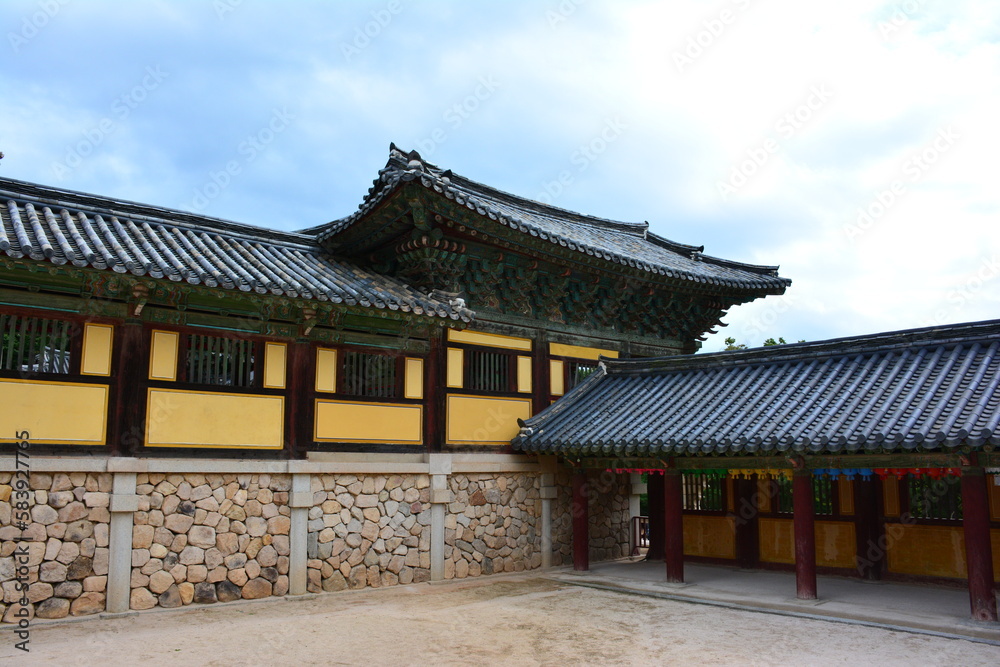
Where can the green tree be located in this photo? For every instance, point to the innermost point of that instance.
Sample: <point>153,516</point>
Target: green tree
<point>731,343</point>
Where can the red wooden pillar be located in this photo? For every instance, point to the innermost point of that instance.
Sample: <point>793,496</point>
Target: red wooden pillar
<point>673,521</point>
<point>581,522</point>
<point>978,550</point>
<point>805,534</point>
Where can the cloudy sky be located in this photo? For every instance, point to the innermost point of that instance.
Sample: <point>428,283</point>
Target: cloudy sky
<point>852,143</point>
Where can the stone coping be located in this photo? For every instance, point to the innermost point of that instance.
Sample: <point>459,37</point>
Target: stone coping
<point>371,464</point>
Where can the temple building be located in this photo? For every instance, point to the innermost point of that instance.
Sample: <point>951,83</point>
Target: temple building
<point>450,382</point>
<point>196,410</point>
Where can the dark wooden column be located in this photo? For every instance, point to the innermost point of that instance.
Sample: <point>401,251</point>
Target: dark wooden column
<point>435,392</point>
<point>870,556</point>
<point>747,531</point>
<point>581,522</point>
<point>805,534</point>
<point>978,551</point>
<point>300,384</point>
<point>673,524</point>
<point>130,369</point>
<point>654,498</point>
<point>540,374</point>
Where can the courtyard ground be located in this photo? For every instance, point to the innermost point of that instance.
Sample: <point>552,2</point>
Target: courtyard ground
<point>523,619</point>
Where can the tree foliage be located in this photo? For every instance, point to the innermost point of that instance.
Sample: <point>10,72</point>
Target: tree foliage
<point>731,343</point>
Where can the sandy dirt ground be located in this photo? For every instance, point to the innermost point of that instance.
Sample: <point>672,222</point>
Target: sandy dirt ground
<point>508,620</point>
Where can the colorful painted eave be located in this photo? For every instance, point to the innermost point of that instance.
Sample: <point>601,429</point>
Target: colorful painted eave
<point>62,227</point>
<point>923,390</point>
<point>628,244</point>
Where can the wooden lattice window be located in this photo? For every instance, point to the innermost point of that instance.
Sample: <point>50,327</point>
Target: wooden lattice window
<point>936,499</point>
<point>488,370</point>
<point>367,374</point>
<point>824,496</point>
<point>783,501</point>
<point>703,493</point>
<point>577,372</point>
<point>35,344</point>
<point>221,361</point>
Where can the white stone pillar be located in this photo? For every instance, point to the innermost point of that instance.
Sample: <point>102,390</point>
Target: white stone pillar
<point>547,493</point>
<point>440,470</point>
<point>299,500</point>
<point>123,504</point>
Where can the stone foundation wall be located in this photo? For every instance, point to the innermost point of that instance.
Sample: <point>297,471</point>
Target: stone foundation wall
<point>610,516</point>
<point>219,531</point>
<point>368,530</point>
<point>493,525</point>
<point>66,542</point>
<point>209,538</point>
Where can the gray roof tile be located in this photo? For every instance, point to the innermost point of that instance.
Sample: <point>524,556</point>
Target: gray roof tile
<point>923,389</point>
<point>64,227</point>
<point>625,243</point>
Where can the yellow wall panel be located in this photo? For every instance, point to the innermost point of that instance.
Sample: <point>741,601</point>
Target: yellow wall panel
<point>777,543</point>
<point>477,420</point>
<point>456,367</point>
<point>845,488</point>
<point>524,375</point>
<point>557,378</point>
<point>491,340</point>
<point>346,421</point>
<point>835,544</point>
<point>54,412</point>
<point>578,352</point>
<point>163,355</point>
<point>890,496</point>
<point>274,365</point>
<point>709,536</point>
<point>326,370</point>
<point>97,339</point>
<point>414,385</point>
<point>764,493</point>
<point>929,550</point>
<point>177,418</point>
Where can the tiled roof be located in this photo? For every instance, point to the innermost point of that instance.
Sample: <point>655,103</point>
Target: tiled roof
<point>65,227</point>
<point>918,390</point>
<point>625,243</point>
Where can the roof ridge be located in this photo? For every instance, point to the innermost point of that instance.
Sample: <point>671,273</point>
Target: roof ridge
<point>47,195</point>
<point>951,334</point>
<point>545,220</point>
